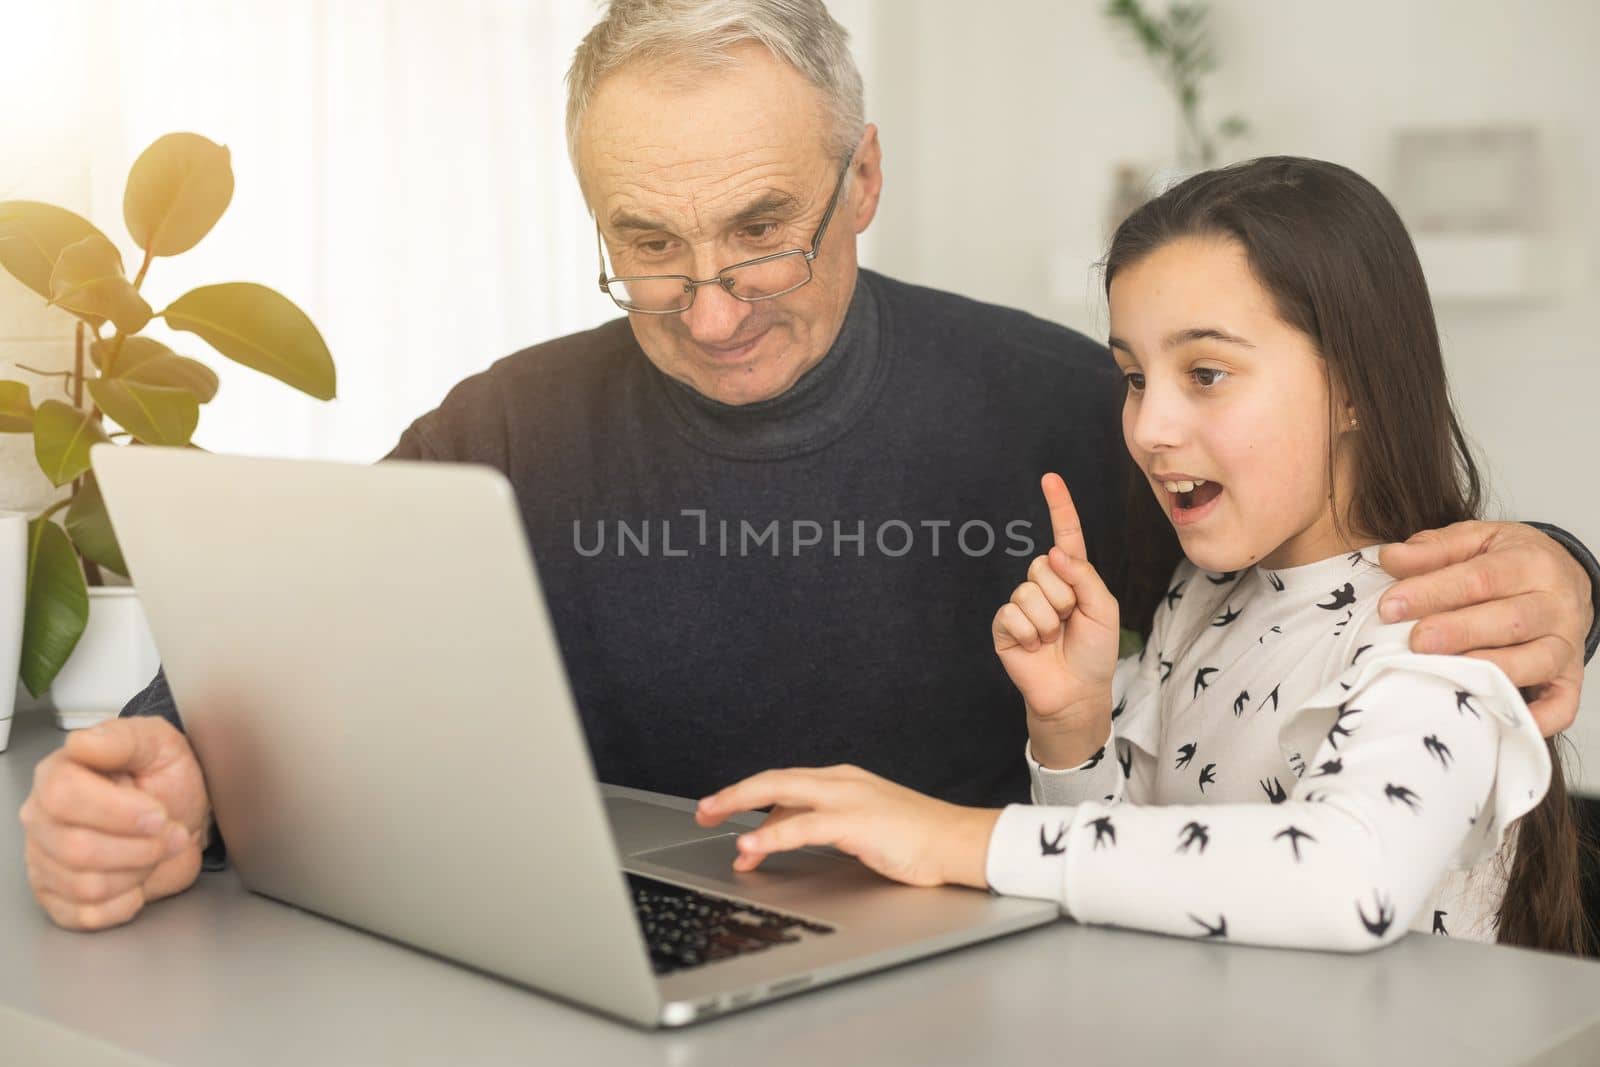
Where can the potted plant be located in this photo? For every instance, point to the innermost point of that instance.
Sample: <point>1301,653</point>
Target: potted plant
<point>81,638</point>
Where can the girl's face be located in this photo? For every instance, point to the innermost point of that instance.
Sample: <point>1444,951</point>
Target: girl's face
<point>1227,409</point>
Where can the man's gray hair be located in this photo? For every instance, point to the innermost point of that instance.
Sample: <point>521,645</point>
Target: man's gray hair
<point>699,33</point>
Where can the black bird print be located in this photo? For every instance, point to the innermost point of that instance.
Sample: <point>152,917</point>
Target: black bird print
<point>1464,702</point>
<point>1125,758</point>
<point>1342,598</point>
<point>1103,830</point>
<point>1338,627</point>
<point>1263,638</point>
<point>1185,754</point>
<point>1200,677</point>
<point>1379,926</point>
<point>1166,669</point>
<point>1048,847</point>
<point>1227,616</point>
<point>1193,833</point>
<point>1274,790</point>
<point>1314,797</point>
<point>1175,594</point>
<point>1272,696</point>
<point>1238,704</point>
<point>1403,795</point>
<point>1222,579</point>
<point>1437,748</point>
<point>1357,656</point>
<point>1354,557</point>
<point>1275,581</point>
<point>1297,764</point>
<point>1294,834</point>
<point>1122,706</point>
<point>1219,930</point>
<point>1333,766</point>
<point>1094,761</point>
<point>1207,777</point>
<point>1339,728</point>
<point>1438,923</point>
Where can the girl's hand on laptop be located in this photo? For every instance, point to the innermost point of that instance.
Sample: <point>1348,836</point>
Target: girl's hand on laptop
<point>898,832</point>
<point>1057,636</point>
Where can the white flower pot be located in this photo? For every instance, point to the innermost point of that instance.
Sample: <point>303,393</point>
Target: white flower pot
<point>114,659</point>
<point>13,601</point>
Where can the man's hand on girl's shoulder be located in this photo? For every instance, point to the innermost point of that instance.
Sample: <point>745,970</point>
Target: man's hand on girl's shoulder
<point>1503,592</point>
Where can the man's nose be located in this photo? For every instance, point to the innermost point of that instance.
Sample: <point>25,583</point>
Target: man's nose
<point>715,317</point>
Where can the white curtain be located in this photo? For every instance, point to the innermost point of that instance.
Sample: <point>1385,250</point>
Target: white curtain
<point>400,173</point>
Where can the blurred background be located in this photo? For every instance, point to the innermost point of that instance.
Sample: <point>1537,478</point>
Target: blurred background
<point>401,174</point>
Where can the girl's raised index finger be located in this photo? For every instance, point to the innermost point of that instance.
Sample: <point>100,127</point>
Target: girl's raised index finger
<point>1064,516</point>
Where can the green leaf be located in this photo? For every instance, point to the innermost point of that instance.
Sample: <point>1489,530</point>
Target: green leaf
<point>32,236</point>
<point>58,605</point>
<point>88,281</point>
<point>89,525</point>
<point>260,328</point>
<point>16,408</point>
<point>177,190</point>
<point>149,362</point>
<point>154,414</point>
<point>62,436</point>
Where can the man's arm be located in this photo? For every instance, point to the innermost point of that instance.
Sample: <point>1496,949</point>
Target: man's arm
<point>1591,566</point>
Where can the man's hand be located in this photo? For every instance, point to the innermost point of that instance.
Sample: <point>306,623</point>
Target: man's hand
<point>1503,592</point>
<point>116,818</point>
<point>896,831</point>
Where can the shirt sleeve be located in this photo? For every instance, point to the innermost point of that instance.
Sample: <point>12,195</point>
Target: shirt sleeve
<point>1418,766</point>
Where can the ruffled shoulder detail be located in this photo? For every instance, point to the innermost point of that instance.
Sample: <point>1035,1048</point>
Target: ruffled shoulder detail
<point>1475,690</point>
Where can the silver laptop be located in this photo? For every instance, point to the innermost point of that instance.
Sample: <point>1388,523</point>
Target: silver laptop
<point>368,673</point>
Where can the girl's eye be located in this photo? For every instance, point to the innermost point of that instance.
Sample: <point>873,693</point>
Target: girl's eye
<point>1135,381</point>
<point>1206,377</point>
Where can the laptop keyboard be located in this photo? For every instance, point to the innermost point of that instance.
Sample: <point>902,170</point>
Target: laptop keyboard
<point>687,928</point>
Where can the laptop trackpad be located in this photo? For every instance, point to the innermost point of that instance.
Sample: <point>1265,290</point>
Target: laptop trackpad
<point>713,858</point>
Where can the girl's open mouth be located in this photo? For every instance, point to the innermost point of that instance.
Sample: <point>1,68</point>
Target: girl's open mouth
<point>1191,501</point>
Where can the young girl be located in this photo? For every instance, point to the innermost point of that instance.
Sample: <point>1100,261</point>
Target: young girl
<point>1276,766</point>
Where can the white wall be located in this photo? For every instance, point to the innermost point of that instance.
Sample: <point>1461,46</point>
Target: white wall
<point>1002,123</point>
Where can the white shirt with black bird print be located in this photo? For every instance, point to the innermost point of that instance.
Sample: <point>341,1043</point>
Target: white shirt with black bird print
<point>1283,770</point>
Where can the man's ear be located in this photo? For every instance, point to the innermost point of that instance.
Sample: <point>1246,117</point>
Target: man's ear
<point>866,180</point>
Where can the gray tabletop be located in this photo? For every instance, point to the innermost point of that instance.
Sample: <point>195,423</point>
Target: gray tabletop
<point>218,975</point>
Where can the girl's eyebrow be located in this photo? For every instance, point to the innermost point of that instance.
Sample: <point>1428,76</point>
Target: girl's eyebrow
<point>1205,333</point>
<point>1182,337</point>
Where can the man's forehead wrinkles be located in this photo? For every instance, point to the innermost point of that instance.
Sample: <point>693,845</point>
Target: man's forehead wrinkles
<point>664,197</point>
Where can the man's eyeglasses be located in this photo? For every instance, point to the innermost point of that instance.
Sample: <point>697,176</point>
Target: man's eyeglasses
<point>754,279</point>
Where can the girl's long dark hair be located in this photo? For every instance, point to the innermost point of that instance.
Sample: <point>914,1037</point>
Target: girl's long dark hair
<point>1340,268</point>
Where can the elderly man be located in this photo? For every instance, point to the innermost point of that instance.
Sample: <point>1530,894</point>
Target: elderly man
<point>774,506</point>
